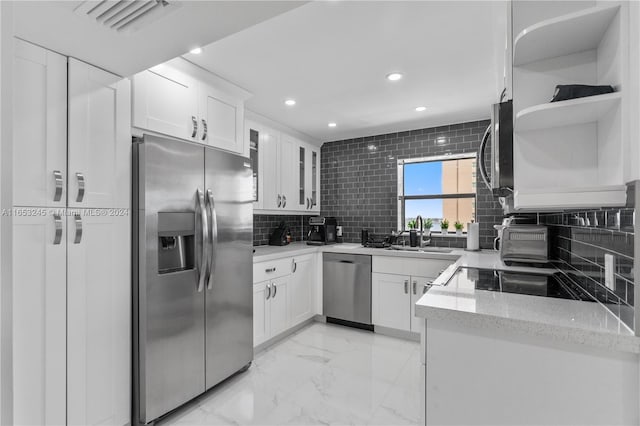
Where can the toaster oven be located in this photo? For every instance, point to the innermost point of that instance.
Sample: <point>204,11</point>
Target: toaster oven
<point>524,243</point>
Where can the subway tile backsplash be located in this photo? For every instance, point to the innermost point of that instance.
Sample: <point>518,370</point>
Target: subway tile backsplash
<point>579,240</point>
<point>263,225</point>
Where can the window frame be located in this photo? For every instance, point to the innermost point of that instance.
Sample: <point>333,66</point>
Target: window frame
<point>430,159</point>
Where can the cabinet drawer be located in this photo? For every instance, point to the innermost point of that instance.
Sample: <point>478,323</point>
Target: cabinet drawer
<point>264,271</point>
<point>429,268</point>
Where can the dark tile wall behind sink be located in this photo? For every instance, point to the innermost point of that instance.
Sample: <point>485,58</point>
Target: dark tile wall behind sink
<point>359,179</point>
<point>580,240</point>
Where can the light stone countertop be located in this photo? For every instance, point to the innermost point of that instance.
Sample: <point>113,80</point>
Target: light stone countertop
<point>460,303</point>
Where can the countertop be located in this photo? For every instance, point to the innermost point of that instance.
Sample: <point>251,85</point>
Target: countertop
<point>579,322</point>
<point>567,320</point>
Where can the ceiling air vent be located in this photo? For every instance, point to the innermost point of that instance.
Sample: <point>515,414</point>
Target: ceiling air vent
<point>125,16</point>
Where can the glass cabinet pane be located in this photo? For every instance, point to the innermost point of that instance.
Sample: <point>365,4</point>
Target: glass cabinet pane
<point>314,177</point>
<point>254,137</point>
<point>301,179</point>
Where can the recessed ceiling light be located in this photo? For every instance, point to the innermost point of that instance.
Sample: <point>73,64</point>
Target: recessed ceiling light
<point>332,124</point>
<point>394,76</point>
<point>421,108</point>
<point>290,102</point>
<point>196,51</point>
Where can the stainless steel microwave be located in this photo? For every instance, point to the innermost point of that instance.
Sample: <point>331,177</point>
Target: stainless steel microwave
<point>500,133</point>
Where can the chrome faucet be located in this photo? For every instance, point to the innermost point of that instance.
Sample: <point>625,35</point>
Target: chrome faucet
<point>419,218</point>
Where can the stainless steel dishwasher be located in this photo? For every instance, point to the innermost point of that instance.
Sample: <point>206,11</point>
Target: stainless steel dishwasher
<point>346,287</point>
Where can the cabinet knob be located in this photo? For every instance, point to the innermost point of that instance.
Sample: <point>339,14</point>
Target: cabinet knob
<point>204,129</point>
<point>78,237</point>
<point>284,201</point>
<point>81,184</point>
<point>406,286</point>
<point>57,175</point>
<point>194,130</point>
<point>279,200</point>
<point>57,220</point>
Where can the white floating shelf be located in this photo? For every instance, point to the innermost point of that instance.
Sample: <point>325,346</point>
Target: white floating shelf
<point>566,113</point>
<point>563,198</point>
<point>571,33</point>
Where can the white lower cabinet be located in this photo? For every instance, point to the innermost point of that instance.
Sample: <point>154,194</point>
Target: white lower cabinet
<point>302,288</point>
<point>39,320</point>
<point>98,320</point>
<point>393,299</point>
<point>270,308</point>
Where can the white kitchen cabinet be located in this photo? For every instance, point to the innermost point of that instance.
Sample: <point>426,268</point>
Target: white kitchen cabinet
<point>165,101</point>
<point>270,308</point>
<point>390,300</point>
<point>39,126</point>
<point>307,177</point>
<point>182,100</point>
<point>287,172</point>
<point>314,178</point>
<point>98,320</point>
<point>417,289</point>
<point>39,320</point>
<point>221,118</point>
<point>99,137</point>
<point>302,288</point>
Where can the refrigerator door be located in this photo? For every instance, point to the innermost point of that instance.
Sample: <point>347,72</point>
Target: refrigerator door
<point>229,295</point>
<point>168,305</point>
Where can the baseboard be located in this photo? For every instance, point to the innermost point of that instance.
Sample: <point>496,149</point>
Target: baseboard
<point>400,334</point>
<point>275,339</point>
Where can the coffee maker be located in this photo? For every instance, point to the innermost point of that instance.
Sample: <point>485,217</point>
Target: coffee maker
<point>323,230</point>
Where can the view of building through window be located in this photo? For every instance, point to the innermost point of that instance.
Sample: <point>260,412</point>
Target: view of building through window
<point>438,190</point>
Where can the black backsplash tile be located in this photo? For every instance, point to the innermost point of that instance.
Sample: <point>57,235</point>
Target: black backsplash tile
<point>580,240</point>
<point>263,225</point>
<point>359,179</point>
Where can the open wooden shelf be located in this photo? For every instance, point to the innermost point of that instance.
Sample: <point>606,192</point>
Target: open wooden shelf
<point>571,197</point>
<point>566,113</point>
<point>571,33</point>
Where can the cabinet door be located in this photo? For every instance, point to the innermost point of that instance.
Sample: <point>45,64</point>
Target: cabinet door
<point>99,138</point>
<point>260,313</point>
<point>39,126</point>
<point>221,120</point>
<point>269,172</point>
<point>279,306</point>
<point>39,320</point>
<point>99,320</point>
<point>314,178</point>
<point>302,286</point>
<point>165,101</point>
<point>390,300</point>
<point>302,177</point>
<point>288,172</point>
<point>417,291</point>
<point>252,140</point>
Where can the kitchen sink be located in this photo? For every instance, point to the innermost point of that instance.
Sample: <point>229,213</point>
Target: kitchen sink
<point>421,249</point>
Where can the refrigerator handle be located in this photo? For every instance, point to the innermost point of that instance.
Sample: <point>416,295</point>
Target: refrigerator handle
<point>205,236</point>
<point>213,241</point>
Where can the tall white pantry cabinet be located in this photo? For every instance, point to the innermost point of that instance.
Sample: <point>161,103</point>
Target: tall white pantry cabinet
<point>71,241</point>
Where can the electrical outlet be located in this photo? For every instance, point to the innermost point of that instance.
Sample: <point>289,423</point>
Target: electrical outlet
<point>609,267</point>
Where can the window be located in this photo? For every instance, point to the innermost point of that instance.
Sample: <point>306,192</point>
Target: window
<point>437,188</point>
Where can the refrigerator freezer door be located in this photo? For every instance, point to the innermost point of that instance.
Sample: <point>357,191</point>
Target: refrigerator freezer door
<point>229,294</point>
<point>169,365</point>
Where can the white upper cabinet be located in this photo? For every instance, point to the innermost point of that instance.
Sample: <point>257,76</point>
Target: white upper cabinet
<point>39,127</point>
<point>164,101</point>
<point>99,320</point>
<point>39,320</point>
<point>99,137</point>
<point>570,154</point>
<point>182,100</point>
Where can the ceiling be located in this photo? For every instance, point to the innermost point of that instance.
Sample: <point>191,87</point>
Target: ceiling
<point>54,24</point>
<point>332,58</point>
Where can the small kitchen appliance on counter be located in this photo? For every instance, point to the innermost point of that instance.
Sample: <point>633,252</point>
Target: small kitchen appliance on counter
<point>524,244</point>
<point>323,230</point>
<point>281,236</point>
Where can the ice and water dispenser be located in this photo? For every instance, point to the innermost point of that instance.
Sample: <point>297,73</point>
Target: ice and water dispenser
<point>176,241</point>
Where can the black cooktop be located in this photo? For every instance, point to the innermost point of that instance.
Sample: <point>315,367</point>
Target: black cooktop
<point>555,284</point>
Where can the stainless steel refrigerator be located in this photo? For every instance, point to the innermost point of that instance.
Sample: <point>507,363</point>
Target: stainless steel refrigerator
<point>193,312</point>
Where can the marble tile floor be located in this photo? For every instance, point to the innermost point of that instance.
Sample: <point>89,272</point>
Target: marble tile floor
<point>322,375</point>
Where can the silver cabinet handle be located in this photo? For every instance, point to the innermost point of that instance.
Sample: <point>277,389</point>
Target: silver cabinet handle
<point>205,235</point>
<point>269,270</point>
<point>294,265</point>
<point>308,203</point>
<point>268,291</point>
<point>194,130</point>
<point>80,196</point>
<point>78,221</point>
<point>415,284</point>
<point>279,200</point>
<point>275,290</point>
<point>213,236</point>
<point>284,201</point>
<point>406,286</point>
<point>57,220</point>
<point>204,129</point>
<point>57,175</point>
